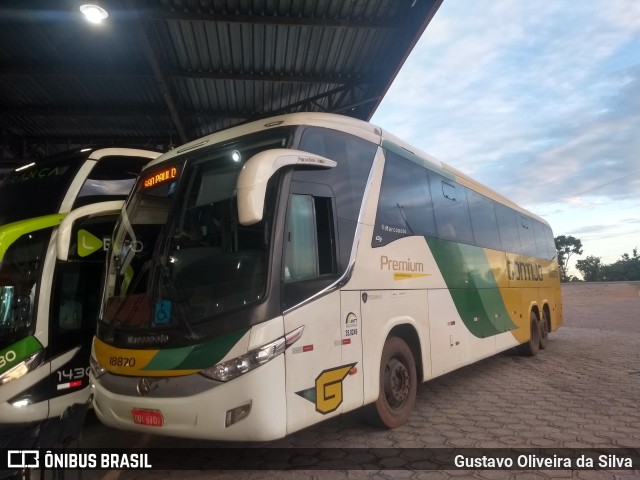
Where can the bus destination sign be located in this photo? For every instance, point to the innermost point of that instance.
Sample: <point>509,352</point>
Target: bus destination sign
<point>160,177</point>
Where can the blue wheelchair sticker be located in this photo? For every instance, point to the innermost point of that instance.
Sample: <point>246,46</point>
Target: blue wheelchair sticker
<point>163,313</point>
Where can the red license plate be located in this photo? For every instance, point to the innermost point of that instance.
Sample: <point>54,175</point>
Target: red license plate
<point>151,418</point>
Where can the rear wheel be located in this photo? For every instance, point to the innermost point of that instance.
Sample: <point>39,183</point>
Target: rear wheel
<point>398,385</point>
<point>544,331</point>
<point>531,348</point>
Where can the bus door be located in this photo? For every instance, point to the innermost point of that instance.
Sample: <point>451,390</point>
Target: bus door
<point>315,370</point>
<point>75,300</point>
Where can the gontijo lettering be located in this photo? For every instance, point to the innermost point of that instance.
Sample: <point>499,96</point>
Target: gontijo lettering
<point>160,177</point>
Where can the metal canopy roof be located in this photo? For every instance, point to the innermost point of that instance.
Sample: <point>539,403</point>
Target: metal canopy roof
<point>158,73</point>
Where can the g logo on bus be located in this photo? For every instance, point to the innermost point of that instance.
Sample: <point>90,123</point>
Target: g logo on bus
<point>327,393</point>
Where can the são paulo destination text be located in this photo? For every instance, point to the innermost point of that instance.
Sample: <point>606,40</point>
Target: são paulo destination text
<point>535,461</point>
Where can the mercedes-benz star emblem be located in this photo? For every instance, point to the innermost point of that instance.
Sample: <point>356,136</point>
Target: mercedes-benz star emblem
<point>144,387</point>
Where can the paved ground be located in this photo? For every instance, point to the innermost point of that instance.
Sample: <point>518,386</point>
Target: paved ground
<point>582,392</point>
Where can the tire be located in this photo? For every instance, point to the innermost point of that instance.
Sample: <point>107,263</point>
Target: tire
<point>544,331</point>
<point>398,385</point>
<point>531,347</point>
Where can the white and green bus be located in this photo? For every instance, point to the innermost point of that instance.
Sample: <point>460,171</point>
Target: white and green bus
<point>54,215</point>
<point>267,277</point>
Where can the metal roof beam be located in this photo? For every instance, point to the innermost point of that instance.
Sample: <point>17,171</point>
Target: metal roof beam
<point>98,111</point>
<point>154,58</point>
<point>335,98</point>
<point>72,71</point>
<point>312,100</point>
<point>101,71</point>
<point>272,77</point>
<point>157,14</point>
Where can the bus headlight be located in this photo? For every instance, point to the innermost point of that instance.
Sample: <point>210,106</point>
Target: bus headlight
<point>225,371</point>
<point>22,368</point>
<point>96,368</point>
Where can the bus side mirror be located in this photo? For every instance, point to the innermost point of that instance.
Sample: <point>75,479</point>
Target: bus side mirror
<point>252,181</point>
<point>65,231</point>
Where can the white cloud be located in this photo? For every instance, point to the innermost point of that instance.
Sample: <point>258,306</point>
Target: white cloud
<point>539,100</point>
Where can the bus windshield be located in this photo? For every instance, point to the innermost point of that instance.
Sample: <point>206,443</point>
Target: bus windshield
<point>19,273</point>
<point>179,256</point>
<point>50,178</point>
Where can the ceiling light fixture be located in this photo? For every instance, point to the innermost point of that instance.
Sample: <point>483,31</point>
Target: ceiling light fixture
<point>24,167</point>
<point>94,13</point>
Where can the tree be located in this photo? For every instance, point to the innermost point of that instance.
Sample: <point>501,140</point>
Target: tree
<point>565,247</point>
<point>627,268</point>
<point>591,268</point>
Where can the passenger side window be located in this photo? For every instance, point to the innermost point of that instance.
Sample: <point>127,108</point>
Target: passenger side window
<point>508,228</point>
<point>483,221</point>
<point>309,251</point>
<point>538,231</point>
<point>551,243</point>
<point>527,237</point>
<point>301,259</point>
<point>348,180</point>
<point>309,263</point>
<point>404,207</point>
<point>451,210</point>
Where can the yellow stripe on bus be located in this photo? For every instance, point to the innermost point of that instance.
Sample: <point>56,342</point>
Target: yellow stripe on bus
<point>129,362</point>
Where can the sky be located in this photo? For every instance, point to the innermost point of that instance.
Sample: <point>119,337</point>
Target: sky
<point>539,101</point>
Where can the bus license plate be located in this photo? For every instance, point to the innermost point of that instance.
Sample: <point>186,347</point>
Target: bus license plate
<point>152,418</point>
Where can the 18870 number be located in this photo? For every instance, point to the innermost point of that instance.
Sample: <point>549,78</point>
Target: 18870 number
<point>122,361</point>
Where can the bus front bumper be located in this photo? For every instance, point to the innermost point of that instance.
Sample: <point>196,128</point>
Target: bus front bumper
<point>251,407</point>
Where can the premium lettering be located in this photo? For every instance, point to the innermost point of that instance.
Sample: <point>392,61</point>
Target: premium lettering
<point>407,265</point>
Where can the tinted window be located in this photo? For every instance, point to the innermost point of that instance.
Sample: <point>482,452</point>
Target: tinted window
<point>111,179</point>
<point>301,252</point>
<point>19,274</point>
<point>348,179</point>
<point>77,287</point>
<point>451,211</point>
<point>39,189</point>
<point>508,228</point>
<point>483,221</point>
<point>551,244</point>
<point>404,207</point>
<point>308,239</point>
<point>527,237</point>
<point>541,243</point>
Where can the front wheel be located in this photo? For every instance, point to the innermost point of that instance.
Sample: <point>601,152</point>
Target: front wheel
<point>398,385</point>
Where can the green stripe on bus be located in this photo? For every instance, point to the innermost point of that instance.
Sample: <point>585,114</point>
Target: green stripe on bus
<point>17,352</point>
<point>10,232</point>
<point>474,290</point>
<point>196,357</point>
